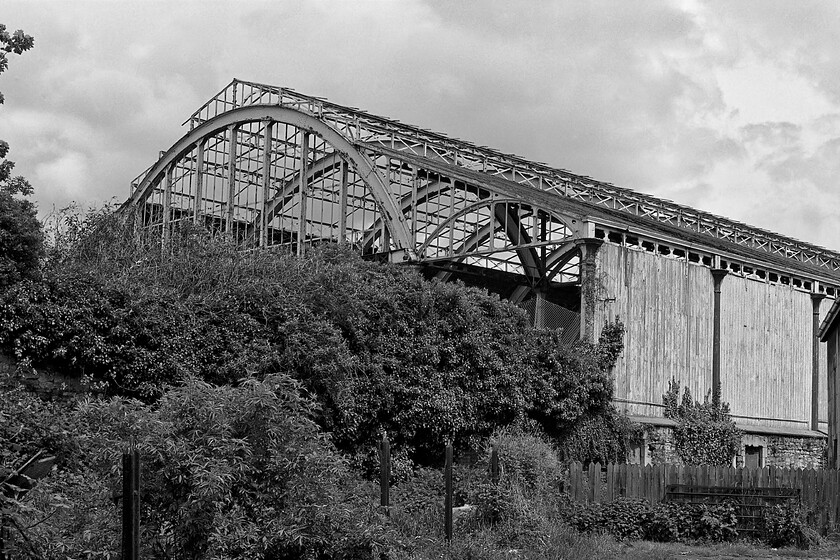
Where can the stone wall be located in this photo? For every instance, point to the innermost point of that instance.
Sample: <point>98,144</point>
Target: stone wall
<point>47,384</point>
<point>776,450</point>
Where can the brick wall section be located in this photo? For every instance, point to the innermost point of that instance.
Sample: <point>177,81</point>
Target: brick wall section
<point>779,451</point>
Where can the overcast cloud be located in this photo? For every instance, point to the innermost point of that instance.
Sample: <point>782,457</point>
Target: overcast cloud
<point>729,107</point>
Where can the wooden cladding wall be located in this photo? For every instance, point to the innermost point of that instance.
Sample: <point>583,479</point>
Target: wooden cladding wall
<point>833,358</point>
<point>667,306</point>
<point>819,489</point>
<point>766,341</point>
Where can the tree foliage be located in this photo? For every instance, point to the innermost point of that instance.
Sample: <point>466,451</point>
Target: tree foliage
<point>21,238</point>
<point>228,472</point>
<point>379,347</point>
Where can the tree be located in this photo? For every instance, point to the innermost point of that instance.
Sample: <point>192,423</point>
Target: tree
<point>21,238</point>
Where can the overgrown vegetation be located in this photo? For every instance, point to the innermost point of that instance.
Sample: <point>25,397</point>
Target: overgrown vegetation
<point>704,434</point>
<point>378,347</point>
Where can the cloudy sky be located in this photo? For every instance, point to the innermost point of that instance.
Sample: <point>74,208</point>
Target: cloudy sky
<point>730,107</point>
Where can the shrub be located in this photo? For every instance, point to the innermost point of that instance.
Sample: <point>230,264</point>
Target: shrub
<point>784,525</point>
<point>704,434</point>
<point>377,345</point>
<point>624,518</point>
<point>630,518</point>
<point>527,458</point>
<point>228,472</point>
<point>601,437</point>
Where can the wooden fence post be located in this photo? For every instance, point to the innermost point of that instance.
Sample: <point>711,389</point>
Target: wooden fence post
<point>131,503</point>
<point>494,464</point>
<point>447,503</point>
<point>385,474</point>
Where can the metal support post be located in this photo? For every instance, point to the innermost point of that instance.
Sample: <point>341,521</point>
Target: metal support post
<point>342,204</point>
<point>266,182</point>
<point>718,274</point>
<point>302,191</point>
<point>199,180</point>
<point>167,203</point>
<point>588,287</point>
<point>414,180</point>
<point>816,299</point>
<point>231,194</point>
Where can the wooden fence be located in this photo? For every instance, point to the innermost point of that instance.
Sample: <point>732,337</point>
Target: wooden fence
<point>819,490</point>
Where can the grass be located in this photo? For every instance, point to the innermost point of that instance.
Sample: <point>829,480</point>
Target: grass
<point>645,549</point>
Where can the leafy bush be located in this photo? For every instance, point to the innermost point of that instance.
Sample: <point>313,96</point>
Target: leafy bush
<point>784,525</point>
<point>601,437</point>
<point>527,458</point>
<point>704,434</point>
<point>624,518</point>
<point>228,472</point>
<point>379,347</point>
<point>422,492</point>
<point>630,518</point>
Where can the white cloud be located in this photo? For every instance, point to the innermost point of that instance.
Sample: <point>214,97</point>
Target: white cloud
<point>69,175</point>
<point>681,100</point>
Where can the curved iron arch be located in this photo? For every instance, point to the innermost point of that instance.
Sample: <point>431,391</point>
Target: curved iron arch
<point>364,168</point>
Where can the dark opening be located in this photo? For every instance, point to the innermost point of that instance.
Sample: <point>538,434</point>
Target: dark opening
<point>753,456</point>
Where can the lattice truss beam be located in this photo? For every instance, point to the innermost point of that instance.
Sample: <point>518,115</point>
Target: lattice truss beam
<point>276,178</point>
<point>406,199</point>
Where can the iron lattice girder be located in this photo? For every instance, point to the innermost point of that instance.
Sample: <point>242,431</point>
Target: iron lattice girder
<point>361,126</point>
<point>504,175</point>
<point>506,215</point>
<point>303,121</point>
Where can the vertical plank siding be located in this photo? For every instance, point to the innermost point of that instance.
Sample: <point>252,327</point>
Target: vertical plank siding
<point>819,489</point>
<point>833,358</point>
<point>666,305</point>
<point>766,351</point>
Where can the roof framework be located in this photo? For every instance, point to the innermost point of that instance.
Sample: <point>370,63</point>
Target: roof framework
<point>275,167</point>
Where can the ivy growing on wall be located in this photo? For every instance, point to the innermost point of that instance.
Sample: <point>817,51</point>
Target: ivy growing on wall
<point>704,434</point>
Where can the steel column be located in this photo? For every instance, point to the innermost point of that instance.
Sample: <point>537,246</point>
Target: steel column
<point>413,230</point>
<point>231,178</point>
<point>342,224</point>
<point>718,274</point>
<point>266,182</point>
<point>303,191</point>
<point>588,287</point>
<point>167,202</point>
<point>816,299</point>
<point>199,179</point>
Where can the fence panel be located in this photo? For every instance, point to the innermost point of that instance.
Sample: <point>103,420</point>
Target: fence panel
<point>819,490</point>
